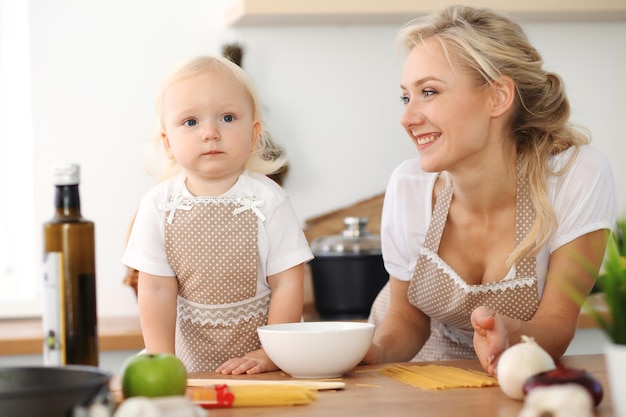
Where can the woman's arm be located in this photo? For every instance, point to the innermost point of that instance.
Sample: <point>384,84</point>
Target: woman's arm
<point>157,311</point>
<point>402,332</point>
<point>286,306</point>
<point>554,324</point>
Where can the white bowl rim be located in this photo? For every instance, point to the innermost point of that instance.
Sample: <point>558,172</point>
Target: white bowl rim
<point>316,327</point>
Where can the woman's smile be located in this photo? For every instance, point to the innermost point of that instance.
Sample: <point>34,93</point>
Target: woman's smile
<point>426,139</point>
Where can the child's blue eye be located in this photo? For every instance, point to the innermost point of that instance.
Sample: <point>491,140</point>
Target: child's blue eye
<point>190,122</point>
<point>228,118</point>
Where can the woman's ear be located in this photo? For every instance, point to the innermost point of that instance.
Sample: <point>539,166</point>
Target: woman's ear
<point>503,96</point>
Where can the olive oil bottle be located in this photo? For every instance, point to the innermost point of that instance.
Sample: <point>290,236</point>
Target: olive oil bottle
<point>69,269</point>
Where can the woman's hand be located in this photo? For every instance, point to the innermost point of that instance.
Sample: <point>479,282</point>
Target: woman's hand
<point>490,337</point>
<point>373,355</point>
<point>254,362</point>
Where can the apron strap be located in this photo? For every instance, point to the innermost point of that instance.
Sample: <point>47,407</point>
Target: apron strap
<point>524,219</point>
<point>439,216</point>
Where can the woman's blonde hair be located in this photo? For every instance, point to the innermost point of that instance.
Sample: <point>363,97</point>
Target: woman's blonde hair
<point>268,157</point>
<point>489,45</point>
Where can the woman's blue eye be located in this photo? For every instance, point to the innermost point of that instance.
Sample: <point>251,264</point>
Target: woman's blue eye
<point>228,118</point>
<point>404,100</point>
<point>190,122</point>
<point>427,92</point>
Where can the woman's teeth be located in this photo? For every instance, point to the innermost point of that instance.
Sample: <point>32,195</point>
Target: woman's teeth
<point>426,139</point>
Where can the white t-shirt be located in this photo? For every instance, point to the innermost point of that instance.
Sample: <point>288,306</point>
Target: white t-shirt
<point>584,200</point>
<point>281,241</point>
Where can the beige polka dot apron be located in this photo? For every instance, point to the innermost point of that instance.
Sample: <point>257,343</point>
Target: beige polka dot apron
<point>441,294</point>
<point>211,243</point>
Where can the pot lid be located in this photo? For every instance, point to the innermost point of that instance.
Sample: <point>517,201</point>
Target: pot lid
<point>355,239</point>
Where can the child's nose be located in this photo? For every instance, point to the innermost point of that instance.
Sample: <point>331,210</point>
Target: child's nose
<point>210,132</point>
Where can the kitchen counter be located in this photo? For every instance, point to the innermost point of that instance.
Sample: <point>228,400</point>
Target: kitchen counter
<point>24,337</point>
<point>366,395</point>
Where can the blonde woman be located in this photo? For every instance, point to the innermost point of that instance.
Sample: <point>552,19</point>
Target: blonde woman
<point>505,209</point>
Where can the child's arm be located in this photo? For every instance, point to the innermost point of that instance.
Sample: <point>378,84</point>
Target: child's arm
<point>286,306</point>
<point>287,299</point>
<point>157,311</point>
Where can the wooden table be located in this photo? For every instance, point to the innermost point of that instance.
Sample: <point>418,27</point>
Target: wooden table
<point>367,396</point>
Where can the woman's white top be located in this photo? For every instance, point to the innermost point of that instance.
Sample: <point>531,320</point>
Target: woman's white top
<point>583,198</point>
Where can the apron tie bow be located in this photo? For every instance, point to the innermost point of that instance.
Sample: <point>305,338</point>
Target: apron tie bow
<point>250,203</point>
<point>175,204</point>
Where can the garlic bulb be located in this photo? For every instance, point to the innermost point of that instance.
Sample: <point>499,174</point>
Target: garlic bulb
<point>566,400</point>
<point>518,363</point>
<point>175,406</point>
<point>138,407</point>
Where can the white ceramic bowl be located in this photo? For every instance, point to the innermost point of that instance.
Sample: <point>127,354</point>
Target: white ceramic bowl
<point>324,349</point>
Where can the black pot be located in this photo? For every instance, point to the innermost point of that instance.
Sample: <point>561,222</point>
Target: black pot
<point>50,391</point>
<point>347,272</point>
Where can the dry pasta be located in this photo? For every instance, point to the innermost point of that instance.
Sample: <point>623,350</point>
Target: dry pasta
<point>263,395</point>
<point>250,395</point>
<point>435,377</point>
<point>367,385</point>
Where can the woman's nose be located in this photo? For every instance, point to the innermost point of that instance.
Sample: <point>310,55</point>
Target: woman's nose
<point>411,115</point>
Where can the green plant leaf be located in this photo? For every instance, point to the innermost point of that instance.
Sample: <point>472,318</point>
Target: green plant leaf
<point>613,284</point>
<point>621,235</point>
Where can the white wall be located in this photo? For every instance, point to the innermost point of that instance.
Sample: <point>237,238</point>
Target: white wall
<point>331,95</point>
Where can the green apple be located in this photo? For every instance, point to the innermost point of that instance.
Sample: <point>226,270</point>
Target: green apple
<point>153,375</point>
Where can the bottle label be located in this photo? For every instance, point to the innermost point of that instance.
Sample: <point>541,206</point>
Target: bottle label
<point>53,310</point>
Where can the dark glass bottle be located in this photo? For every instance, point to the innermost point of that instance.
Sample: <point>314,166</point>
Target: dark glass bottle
<point>70,317</point>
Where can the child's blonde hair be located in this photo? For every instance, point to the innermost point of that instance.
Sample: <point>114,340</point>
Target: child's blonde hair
<point>268,157</point>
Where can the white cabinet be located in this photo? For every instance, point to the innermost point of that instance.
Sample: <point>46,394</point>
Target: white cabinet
<point>300,12</point>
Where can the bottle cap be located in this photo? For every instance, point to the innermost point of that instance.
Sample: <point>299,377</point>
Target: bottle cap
<point>66,174</point>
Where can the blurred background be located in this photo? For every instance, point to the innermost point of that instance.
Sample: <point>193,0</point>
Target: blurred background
<point>79,78</point>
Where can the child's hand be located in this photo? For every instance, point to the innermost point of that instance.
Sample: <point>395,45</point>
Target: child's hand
<point>253,363</point>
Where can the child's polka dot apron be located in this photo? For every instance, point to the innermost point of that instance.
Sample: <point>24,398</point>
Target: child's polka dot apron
<point>448,300</point>
<point>211,243</point>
